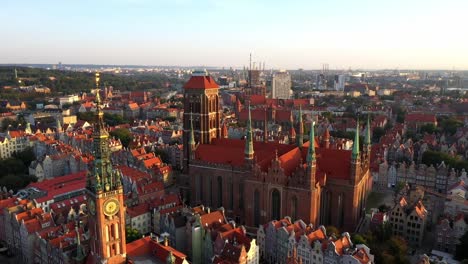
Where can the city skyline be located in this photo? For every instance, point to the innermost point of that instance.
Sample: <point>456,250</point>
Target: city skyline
<point>298,34</point>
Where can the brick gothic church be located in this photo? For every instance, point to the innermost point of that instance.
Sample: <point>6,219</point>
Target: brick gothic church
<point>258,181</point>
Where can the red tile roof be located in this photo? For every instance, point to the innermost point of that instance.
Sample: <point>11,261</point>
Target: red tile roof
<point>60,185</point>
<point>151,249</point>
<point>201,82</point>
<point>257,100</point>
<point>417,117</point>
<point>215,218</point>
<point>140,209</point>
<point>231,151</point>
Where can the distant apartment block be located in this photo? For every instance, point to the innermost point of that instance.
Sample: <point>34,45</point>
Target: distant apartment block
<point>281,85</point>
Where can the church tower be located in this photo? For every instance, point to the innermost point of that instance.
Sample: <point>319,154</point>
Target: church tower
<point>313,188</point>
<point>201,100</point>
<point>104,192</point>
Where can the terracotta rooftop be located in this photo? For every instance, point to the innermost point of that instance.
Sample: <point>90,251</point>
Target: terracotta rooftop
<point>201,82</point>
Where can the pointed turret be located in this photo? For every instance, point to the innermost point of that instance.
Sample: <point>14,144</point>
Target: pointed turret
<point>238,106</point>
<point>249,151</point>
<point>58,126</point>
<point>192,143</point>
<point>292,135</point>
<point>367,140</point>
<point>80,253</point>
<point>300,137</point>
<point>355,155</point>
<point>224,130</point>
<point>170,258</point>
<point>326,138</point>
<point>356,159</point>
<point>28,129</point>
<point>311,150</point>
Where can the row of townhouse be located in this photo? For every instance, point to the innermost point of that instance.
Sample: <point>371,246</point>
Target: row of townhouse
<point>278,240</point>
<point>207,236</point>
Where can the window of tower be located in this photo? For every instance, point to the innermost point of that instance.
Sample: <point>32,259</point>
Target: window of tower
<point>275,204</point>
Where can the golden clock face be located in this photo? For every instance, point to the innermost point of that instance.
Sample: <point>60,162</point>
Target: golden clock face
<point>111,207</point>
<point>92,207</point>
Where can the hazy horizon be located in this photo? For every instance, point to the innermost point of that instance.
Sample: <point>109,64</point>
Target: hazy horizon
<point>419,35</point>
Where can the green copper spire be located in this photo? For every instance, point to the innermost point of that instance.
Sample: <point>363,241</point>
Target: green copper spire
<point>311,150</point>
<point>192,134</point>
<point>80,254</point>
<point>28,129</point>
<point>102,177</point>
<point>300,138</point>
<point>367,140</point>
<point>170,259</point>
<point>249,151</point>
<point>356,142</point>
<point>58,125</point>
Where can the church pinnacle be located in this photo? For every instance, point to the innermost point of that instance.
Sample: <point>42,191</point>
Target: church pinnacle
<point>367,140</point>
<point>311,150</point>
<point>249,151</point>
<point>300,138</point>
<point>355,154</point>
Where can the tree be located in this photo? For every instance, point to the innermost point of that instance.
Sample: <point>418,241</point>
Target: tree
<point>86,116</point>
<point>26,156</point>
<point>332,230</point>
<point>450,125</point>
<point>400,118</point>
<point>358,239</point>
<point>8,122</point>
<point>123,134</point>
<point>114,119</point>
<point>428,128</point>
<point>162,154</point>
<point>132,234</point>
<point>329,116</point>
<point>462,253</point>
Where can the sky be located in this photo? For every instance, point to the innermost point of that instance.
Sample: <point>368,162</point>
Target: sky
<point>287,34</point>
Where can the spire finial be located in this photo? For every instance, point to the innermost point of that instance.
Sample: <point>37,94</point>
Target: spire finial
<point>356,142</point>
<point>311,151</point>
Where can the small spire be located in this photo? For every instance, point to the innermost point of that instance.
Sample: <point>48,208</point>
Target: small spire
<point>80,254</point>
<point>367,140</point>
<point>311,151</point>
<point>249,151</point>
<point>300,138</point>
<point>98,96</point>
<point>356,142</point>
